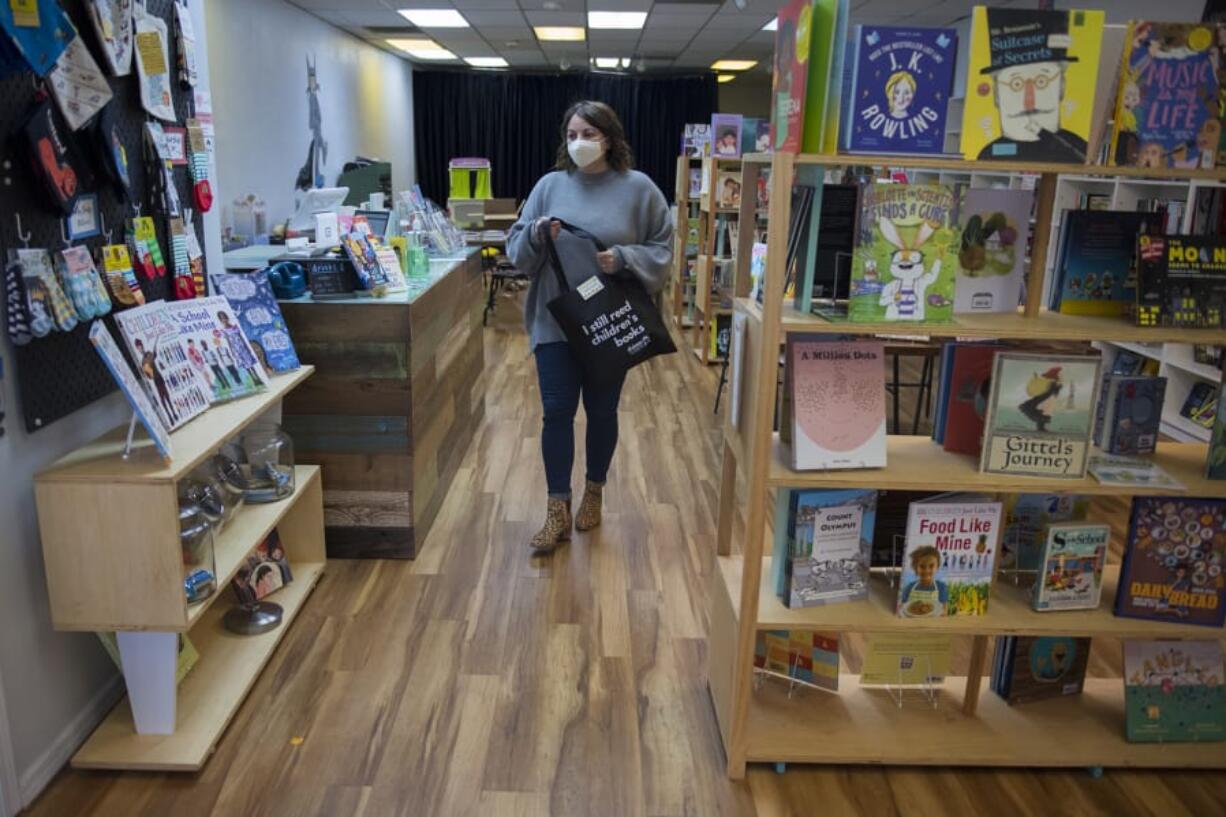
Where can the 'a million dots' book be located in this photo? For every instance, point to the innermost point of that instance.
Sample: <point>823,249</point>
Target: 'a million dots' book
<point>838,403</point>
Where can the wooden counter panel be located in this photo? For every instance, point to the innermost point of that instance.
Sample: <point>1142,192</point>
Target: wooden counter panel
<point>344,395</point>
<point>340,323</point>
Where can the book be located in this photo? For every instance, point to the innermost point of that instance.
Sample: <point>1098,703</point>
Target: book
<point>740,326</point>
<point>1200,406</point>
<point>1181,281</point>
<point>790,78</point>
<point>1215,462</point>
<point>726,135</point>
<point>1173,691</point>
<point>1029,668</point>
<point>361,253</point>
<point>720,335</point>
<point>1131,410</point>
<point>696,140</point>
<point>1027,517</point>
<point>970,384</point>
<point>728,189</point>
<point>1111,52</point>
<point>1071,567</point>
<point>906,659</point>
<point>171,378</point>
<point>1167,110</point>
<point>1030,82</point>
<point>839,15</point>
<point>838,403</point>
<point>906,254</point>
<point>1127,363</point>
<point>1135,472</point>
<point>136,395</point>
<point>827,548</point>
<point>252,299</point>
<point>992,254</point>
<point>1096,261</point>
<point>265,570</point>
<point>900,84</point>
<point>217,347</point>
<point>1173,562</point>
<point>1040,415</point>
<point>757,270</point>
<point>799,655</point>
<point>695,183</point>
<point>950,556</point>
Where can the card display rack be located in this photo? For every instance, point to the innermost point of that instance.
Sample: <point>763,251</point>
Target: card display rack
<point>860,725</point>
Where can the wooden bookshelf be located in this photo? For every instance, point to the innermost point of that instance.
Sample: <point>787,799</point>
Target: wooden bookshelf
<point>859,725</point>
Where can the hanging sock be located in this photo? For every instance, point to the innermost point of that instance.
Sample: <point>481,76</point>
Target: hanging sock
<point>44,295</point>
<point>80,278</point>
<point>16,312</point>
<point>198,162</point>
<point>146,250</point>
<point>195,260</point>
<point>185,284</point>
<point>120,277</point>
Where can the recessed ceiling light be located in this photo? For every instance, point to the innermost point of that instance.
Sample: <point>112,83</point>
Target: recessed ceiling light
<point>486,62</point>
<point>551,5</point>
<point>773,25</point>
<point>733,65</point>
<point>725,77</point>
<point>569,34</point>
<point>616,19</point>
<point>422,49</point>
<point>434,18</point>
<point>606,62</point>
<point>625,62</point>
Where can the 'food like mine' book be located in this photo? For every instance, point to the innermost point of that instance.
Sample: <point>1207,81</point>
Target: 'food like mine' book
<point>1027,517</point>
<point>1181,281</point>
<point>1030,84</point>
<point>1041,415</point>
<point>1028,668</point>
<point>1173,563</point>
<point>991,260</point>
<point>824,557</point>
<point>252,299</point>
<point>799,655</point>
<point>950,556</point>
<point>1173,691</point>
<point>906,255</point>
<point>1168,109</point>
<point>900,84</point>
<point>838,403</point>
<point>164,362</point>
<point>217,347</point>
<point>1071,567</point>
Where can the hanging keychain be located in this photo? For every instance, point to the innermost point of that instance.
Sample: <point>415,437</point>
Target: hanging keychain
<point>185,284</point>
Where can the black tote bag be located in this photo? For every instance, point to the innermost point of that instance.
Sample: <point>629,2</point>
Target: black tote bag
<point>611,323</point>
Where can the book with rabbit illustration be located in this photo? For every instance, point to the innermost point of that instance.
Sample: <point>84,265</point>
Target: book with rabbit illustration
<point>906,255</point>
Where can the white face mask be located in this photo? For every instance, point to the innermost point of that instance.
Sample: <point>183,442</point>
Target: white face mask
<point>585,151</point>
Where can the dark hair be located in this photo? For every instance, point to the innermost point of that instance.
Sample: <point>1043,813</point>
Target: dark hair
<point>604,119</point>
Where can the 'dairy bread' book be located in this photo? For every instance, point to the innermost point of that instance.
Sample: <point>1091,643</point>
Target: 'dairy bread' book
<point>838,403</point>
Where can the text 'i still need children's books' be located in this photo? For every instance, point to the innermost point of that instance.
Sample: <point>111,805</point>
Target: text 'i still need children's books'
<point>838,403</point>
<point>950,556</point>
<point>1041,415</point>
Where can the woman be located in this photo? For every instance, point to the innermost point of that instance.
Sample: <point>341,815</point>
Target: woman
<point>593,187</point>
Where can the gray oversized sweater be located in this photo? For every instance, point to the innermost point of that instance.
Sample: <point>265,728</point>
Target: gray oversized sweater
<point>624,210</point>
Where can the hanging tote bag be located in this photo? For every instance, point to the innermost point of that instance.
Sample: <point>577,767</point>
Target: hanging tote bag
<point>611,323</point>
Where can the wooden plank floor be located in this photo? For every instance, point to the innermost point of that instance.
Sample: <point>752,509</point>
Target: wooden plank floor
<point>476,680</point>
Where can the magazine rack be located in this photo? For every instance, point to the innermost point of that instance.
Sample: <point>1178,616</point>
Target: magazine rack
<point>110,533</point>
<point>863,726</point>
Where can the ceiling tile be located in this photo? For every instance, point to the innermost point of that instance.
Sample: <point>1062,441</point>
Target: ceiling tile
<point>685,9</point>
<point>495,18</point>
<point>556,18</point>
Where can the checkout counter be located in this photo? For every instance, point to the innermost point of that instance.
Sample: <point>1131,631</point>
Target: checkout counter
<point>398,394</point>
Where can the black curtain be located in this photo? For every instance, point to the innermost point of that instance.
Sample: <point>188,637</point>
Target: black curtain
<point>514,120</point>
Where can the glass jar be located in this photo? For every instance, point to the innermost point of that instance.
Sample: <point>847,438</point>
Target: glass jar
<point>268,463</point>
<point>199,559</point>
<point>228,476</point>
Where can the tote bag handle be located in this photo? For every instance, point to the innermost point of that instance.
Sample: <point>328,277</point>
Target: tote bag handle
<point>552,250</point>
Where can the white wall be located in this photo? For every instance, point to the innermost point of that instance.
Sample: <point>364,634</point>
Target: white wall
<point>258,51</point>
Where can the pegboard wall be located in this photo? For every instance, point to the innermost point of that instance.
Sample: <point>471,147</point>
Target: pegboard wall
<point>60,373</point>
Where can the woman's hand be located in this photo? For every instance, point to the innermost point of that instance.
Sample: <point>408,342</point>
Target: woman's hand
<point>607,261</point>
<point>541,224</point>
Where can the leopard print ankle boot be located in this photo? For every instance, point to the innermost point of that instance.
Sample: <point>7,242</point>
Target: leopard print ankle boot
<point>556,528</point>
<point>588,516</point>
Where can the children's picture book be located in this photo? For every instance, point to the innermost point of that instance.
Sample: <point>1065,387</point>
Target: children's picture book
<point>726,133</point>
<point>900,84</point>
<point>1215,463</point>
<point>950,556</point>
<point>728,189</point>
<point>970,384</point>
<point>740,326</point>
<point>906,659</point>
<point>831,39</point>
<point>755,135</point>
<point>1168,108</point>
<point>1131,410</point>
<point>1181,281</point>
<point>696,140</point>
<point>695,188</point>
<point>1173,691</point>
<point>1040,415</point>
<point>1030,84</point>
<point>1096,264</point>
<point>1200,406</point>
<point>252,299</point>
<point>1029,668</point>
<point>1071,567</point>
<point>720,336</point>
<point>136,395</point>
<point>829,538</point>
<point>217,348</point>
<point>263,572</point>
<point>1138,473</point>
<point>172,380</point>
<point>361,253</point>
<point>1027,517</point>
<point>799,655</point>
<point>793,42</point>
<point>838,399</point>
<point>992,257</point>
<point>1172,568</point>
<point>757,270</point>
<point>906,255</point>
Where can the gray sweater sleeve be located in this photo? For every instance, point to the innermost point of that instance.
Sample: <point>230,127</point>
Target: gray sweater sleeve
<point>521,248</point>
<point>651,260</point>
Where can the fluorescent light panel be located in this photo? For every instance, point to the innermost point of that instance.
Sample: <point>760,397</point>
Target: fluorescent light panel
<point>616,19</point>
<point>566,34</point>
<point>606,62</point>
<point>725,77</point>
<point>486,62</point>
<point>773,25</point>
<point>733,65</point>
<point>422,49</point>
<point>434,18</point>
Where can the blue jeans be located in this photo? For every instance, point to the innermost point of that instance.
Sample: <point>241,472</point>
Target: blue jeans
<point>562,382</point>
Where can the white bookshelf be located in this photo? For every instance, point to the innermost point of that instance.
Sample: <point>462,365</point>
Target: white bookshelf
<point>1177,364</point>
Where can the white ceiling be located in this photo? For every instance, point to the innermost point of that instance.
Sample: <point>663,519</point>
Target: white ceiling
<point>678,35</point>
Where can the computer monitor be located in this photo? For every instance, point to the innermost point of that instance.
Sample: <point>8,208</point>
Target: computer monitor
<point>318,200</point>
<point>377,220</point>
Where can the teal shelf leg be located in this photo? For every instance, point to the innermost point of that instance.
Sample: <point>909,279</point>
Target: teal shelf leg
<point>1096,772</point>
<point>780,768</point>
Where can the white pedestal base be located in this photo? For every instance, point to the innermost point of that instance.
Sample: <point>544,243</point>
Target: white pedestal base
<point>149,671</point>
